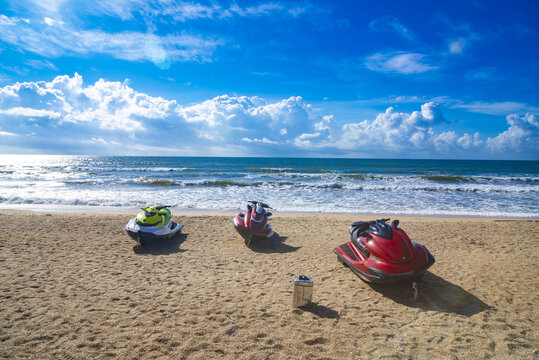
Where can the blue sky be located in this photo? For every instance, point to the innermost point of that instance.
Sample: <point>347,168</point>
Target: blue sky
<point>415,79</point>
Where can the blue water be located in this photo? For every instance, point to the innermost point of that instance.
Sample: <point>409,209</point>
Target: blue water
<point>413,187</point>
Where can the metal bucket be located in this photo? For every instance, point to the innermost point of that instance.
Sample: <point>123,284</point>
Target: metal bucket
<point>302,294</point>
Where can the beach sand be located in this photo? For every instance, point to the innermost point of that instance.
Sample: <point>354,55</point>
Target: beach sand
<point>72,287</point>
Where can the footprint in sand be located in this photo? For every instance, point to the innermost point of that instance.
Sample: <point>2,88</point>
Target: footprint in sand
<point>316,341</point>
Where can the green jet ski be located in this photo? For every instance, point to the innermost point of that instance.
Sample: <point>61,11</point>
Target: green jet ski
<point>153,223</point>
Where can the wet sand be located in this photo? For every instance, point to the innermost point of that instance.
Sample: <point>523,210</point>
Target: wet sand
<point>73,287</point>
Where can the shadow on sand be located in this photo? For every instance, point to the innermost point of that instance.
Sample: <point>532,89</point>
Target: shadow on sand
<point>162,247</point>
<point>275,244</point>
<point>320,311</point>
<point>435,294</point>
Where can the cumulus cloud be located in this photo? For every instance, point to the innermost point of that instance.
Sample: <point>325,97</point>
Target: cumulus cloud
<point>113,111</point>
<point>468,142</point>
<point>304,140</point>
<point>523,134</point>
<point>224,116</point>
<point>393,131</point>
<point>445,140</point>
<point>109,105</point>
<point>398,62</point>
<point>66,113</point>
<point>324,123</point>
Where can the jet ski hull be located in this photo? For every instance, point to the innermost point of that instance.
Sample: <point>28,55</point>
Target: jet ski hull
<point>152,233</point>
<point>375,270</point>
<point>249,236</point>
<point>240,227</point>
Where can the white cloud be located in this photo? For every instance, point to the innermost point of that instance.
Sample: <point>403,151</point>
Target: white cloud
<point>185,11</point>
<point>397,62</point>
<point>460,37</point>
<point>431,113</point>
<point>52,22</point>
<point>263,140</point>
<point>221,109</point>
<point>304,140</point>
<point>6,133</point>
<point>396,132</point>
<point>467,142</point>
<point>522,135</point>
<point>167,10</point>
<point>390,23</point>
<point>57,40</point>
<point>115,108</point>
<point>29,112</point>
<point>12,21</point>
<point>308,136</point>
<point>111,115</point>
<point>417,138</point>
<point>248,113</point>
<point>444,141</point>
<point>8,21</point>
<point>110,105</point>
<point>393,129</point>
<point>41,64</point>
<point>495,108</point>
<point>99,141</point>
<point>52,6</point>
<point>457,46</point>
<point>324,123</point>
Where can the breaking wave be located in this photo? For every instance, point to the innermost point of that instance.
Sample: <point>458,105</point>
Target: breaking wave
<point>326,185</point>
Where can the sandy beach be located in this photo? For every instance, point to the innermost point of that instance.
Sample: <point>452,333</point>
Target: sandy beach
<point>73,287</point>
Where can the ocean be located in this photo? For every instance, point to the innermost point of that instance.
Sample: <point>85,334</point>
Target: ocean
<point>362,186</point>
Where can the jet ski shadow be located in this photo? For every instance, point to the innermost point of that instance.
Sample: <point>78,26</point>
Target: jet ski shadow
<point>275,244</point>
<point>435,294</point>
<point>162,247</point>
<point>320,311</point>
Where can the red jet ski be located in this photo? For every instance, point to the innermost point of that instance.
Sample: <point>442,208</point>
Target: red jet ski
<point>254,225</point>
<point>383,253</point>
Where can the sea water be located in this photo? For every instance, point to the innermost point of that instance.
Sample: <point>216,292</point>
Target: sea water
<point>362,186</point>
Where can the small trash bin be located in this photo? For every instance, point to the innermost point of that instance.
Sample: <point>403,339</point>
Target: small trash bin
<point>302,293</point>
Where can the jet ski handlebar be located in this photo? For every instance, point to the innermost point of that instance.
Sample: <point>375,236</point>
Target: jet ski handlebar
<point>366,224</point>
<point>261,204</point>
<point>160,207</point>
<point>166,206</point>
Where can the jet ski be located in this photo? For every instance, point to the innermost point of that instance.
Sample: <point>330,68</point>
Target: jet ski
<point>382,253</point>
<point>152,223</point>
<point>254,225</point>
